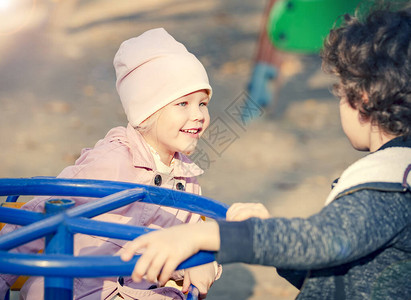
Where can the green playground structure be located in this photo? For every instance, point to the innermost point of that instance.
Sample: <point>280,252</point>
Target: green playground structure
<point>301,25</point>
<point>295,26</point>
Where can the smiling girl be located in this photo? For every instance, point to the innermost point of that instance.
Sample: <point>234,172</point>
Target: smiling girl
<point>178,126</point>
<point>164,91</point>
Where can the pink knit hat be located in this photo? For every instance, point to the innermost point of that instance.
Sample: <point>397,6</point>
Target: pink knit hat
<point>153,70</point>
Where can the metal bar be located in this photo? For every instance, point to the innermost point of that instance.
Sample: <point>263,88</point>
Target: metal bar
<point>49,225</point>
<point>60,242</point>
<point>106,204</point>
<point>19,216</point>
<point>47,186</point>
<point>12,198</point>
<point>193,293</point>
<point>106,229</point>
<point>30,232</point>
<point>186,201</point>
<point>101,188</point>
<point>80,266</point>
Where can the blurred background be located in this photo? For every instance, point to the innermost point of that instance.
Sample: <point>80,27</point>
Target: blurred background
<point>57,96</point>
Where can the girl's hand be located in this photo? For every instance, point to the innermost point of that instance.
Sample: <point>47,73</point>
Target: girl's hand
<point>202,277</point>
<point>243,211</point>
<point>163,250</point>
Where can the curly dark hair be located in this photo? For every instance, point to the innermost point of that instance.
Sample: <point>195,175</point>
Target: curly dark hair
<point>374,56</point>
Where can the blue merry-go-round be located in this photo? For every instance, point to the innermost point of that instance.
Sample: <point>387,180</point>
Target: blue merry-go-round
<point>62,220</point>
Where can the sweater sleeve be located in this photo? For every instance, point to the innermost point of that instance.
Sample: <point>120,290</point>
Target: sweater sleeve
<point>347,229</point>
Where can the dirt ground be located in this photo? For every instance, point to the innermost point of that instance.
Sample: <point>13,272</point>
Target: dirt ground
<point>57,96</point>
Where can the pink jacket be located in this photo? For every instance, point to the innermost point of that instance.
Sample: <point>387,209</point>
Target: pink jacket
<point>122,155</point>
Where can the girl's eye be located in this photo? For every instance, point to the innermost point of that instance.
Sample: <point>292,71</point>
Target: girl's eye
<point>182,104</point>
<point>203,103</point>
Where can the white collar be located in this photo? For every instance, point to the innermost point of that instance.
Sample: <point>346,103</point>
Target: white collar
<point>160,166</point>
<point>387,166</point>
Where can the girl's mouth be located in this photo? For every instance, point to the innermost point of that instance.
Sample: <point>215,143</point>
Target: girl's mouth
<point>193,131</point>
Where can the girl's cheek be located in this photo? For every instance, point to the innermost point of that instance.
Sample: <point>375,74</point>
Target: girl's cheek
<point>205,126</point>
<point>206,119</point>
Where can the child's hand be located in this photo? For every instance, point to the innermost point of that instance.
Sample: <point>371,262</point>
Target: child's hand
<point>163,250</point>
<point>202,277</point>
<point>243,211</point>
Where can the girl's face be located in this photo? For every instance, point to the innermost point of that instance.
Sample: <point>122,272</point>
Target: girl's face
<point>357,130</point>
<point>179,126</point>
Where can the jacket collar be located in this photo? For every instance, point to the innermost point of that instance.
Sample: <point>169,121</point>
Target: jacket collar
<point>401,141</point>
<point>385,168</point>
<point>142,157</point>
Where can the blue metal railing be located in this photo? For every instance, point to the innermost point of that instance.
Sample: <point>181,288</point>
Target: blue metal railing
<point>58,265</point>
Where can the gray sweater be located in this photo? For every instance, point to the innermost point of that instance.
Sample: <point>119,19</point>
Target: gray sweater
<point>357,247</point>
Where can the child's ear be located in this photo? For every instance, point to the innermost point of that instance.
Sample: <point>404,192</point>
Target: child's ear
<point>365,98</point>
<point>365,101</point>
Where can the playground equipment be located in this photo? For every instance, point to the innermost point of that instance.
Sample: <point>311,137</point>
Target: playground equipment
<point>302,25</point>
<point>62,220</point>
<point>296,26</point>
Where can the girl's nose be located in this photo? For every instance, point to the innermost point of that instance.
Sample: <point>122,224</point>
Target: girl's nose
<point>197,114</point>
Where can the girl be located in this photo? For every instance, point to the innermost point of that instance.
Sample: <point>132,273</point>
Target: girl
<point>164,91</point>
<point>359,245</point>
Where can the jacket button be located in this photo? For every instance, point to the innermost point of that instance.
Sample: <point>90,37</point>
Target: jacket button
<point>180,186</point>
<point>157,180</point>
<point>121,280</point>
